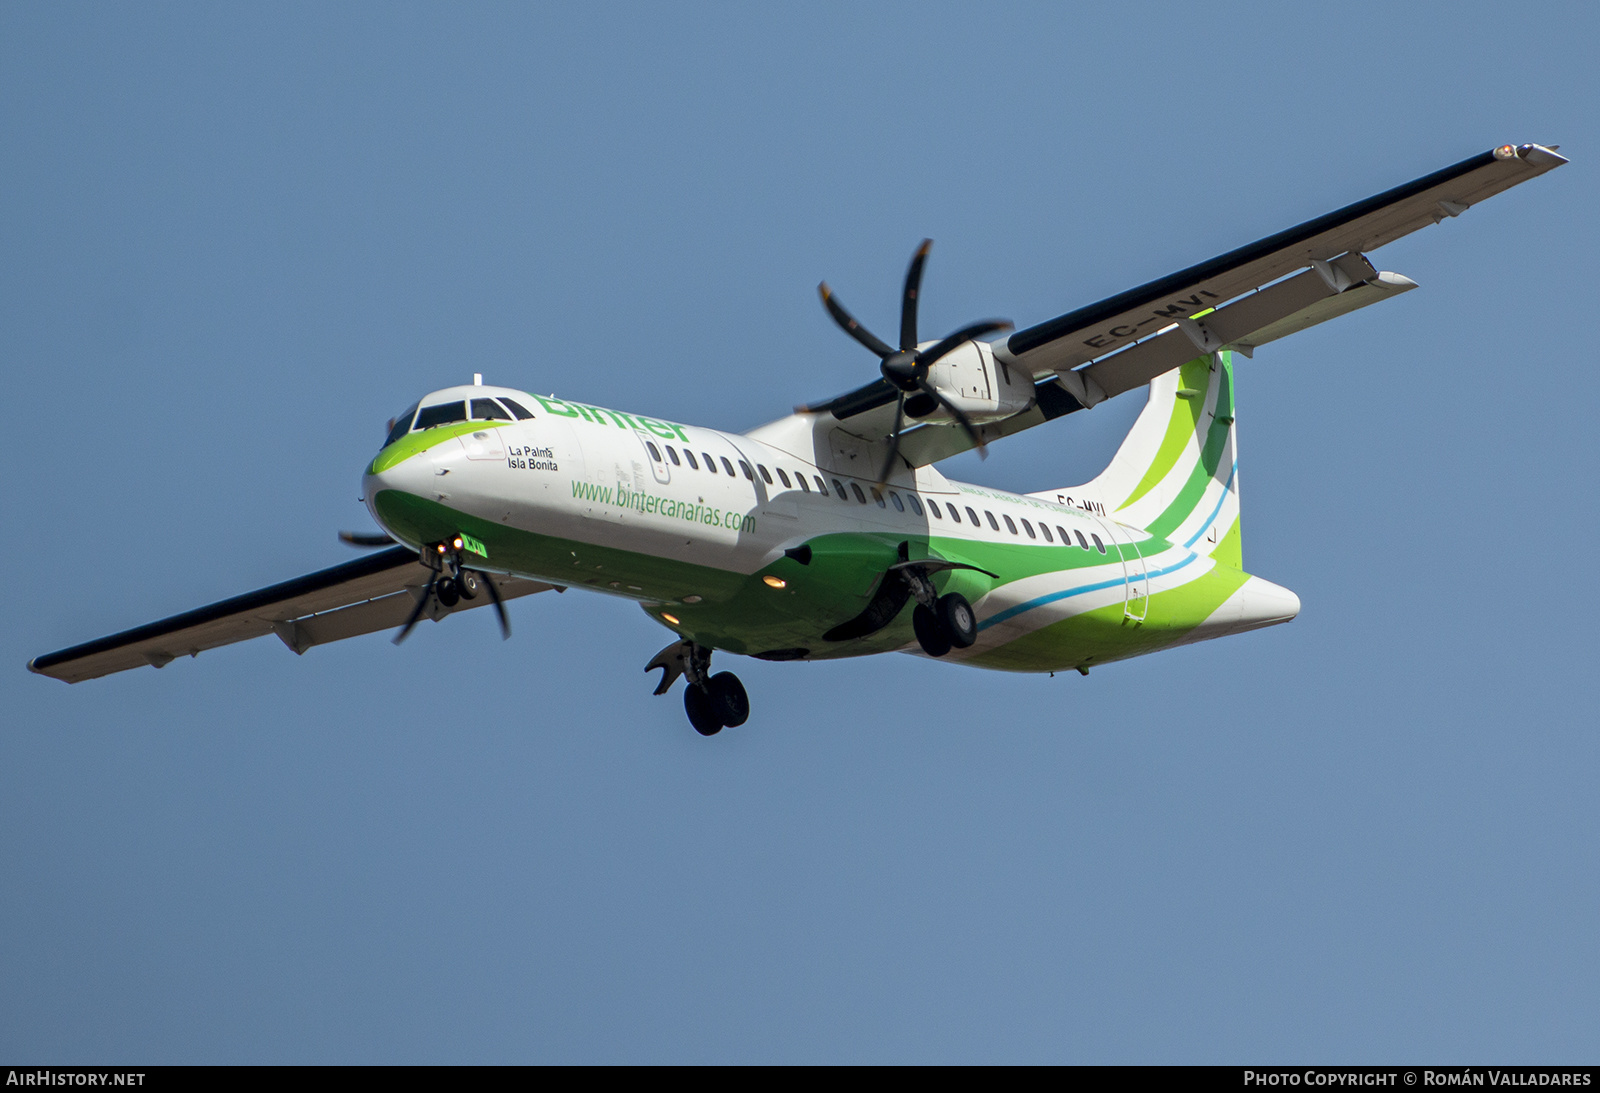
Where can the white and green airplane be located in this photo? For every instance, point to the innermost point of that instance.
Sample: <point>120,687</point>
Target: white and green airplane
<point>831,533</point>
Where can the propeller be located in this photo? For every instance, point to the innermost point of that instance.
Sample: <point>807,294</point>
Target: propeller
<point>499,608</point>
<point>906,369</point>
<point>416,612</point>
<point>365,539</point>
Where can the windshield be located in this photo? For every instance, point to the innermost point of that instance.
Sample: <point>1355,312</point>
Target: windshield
<point>443,414</point>
<point>400,425</point>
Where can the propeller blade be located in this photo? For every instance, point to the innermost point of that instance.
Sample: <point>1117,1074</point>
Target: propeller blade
<point>364,539</point>
<point>962,336</point>
<point>961,418</point>
<point>416,612</point>
<point>908,299</point>
<point>894,439</point>
<point>499,608</point>
<point>848,322</point>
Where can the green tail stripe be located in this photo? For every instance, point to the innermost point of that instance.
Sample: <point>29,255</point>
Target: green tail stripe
<point>1194,489</point>
<point>1180,427</point>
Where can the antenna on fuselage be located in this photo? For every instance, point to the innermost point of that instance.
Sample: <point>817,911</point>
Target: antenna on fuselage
<point>477,379</point>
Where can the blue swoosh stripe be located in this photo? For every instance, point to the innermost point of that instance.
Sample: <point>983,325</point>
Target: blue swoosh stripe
<point>1013,612</point>
<point>1212,518</point>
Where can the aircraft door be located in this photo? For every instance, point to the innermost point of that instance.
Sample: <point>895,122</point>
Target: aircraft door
<point>653,456</point>
<point>1135,573</point>
<point>772,500</point>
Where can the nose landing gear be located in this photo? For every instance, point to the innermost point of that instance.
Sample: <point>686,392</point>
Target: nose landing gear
<point>713,702</point>
<point>451,583</point>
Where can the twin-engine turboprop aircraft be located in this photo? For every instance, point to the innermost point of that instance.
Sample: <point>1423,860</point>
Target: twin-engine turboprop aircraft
<point>831,533</point>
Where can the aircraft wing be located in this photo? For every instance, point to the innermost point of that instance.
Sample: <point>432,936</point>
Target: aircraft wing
<point>1092,332</point>
<point>1245,298</point>
<point>376,592</point>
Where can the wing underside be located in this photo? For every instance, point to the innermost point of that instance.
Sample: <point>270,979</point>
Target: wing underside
<point>377,592</point>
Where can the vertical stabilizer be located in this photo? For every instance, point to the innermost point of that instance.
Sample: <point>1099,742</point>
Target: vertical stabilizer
<point>1176,473</point>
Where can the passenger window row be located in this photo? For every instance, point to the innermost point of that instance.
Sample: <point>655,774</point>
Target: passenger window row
<point>878,498</point>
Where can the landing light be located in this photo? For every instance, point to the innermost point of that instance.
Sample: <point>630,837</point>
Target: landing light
<point>774,582</point>
<point>456,542</point>
<point>673,619</point>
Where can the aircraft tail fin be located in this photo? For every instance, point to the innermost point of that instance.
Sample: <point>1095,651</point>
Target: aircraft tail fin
<point>1176,473</point>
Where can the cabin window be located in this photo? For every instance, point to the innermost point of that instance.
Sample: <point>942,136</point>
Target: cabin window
<point>1098,545</point>
<point>898,504</point>
<point>445,413</point>
<point>878,497</point>
<point>687,454</point>
<point>766,475</point>
<point>745,467</point>
<point>822,487</point>
<point>916,506</point>
<point>800,480</point>
<point>673,455</point>
<point>838,487</point>
<point>711,464</point>
<point>487,409</point>
<point>973,516</point>
<point>783,477</point>
<point>1084,543</point>
<point>1010,524</point>
<point>933,507</point>
<point>401,425</point>
<point>727,466</point>
<point>516,408</point>
<point>993,523</point>
<point>856,489</point>
<point>955,513</point>
<point>1027,527</point>
<point>655,453</point>
<point>1044,528</point>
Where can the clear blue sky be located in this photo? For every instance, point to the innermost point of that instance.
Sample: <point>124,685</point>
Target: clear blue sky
<point>234,239</point>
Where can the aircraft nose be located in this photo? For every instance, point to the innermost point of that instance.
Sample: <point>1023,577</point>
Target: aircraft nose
<point>414,475</point>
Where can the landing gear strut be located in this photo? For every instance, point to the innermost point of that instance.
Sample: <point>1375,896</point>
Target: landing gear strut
<point>713,702</point>
<point>451,583</point>
<point>941,623</point>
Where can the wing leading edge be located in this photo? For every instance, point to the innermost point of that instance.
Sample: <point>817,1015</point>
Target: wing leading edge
<point>376,592</point>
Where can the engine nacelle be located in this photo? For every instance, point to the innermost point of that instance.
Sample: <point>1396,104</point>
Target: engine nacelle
<point>984,388</point>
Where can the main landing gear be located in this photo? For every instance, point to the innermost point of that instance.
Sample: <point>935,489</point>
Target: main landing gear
<point>713,702</point>
<point>941,623</point>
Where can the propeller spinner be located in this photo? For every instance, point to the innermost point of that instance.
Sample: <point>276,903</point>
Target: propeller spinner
<point>906,369</point>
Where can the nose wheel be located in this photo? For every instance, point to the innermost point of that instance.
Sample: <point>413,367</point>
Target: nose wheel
<point>713,702</point>
<point>451,583</point>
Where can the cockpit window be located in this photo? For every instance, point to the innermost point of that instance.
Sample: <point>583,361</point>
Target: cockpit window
<point>516,408</point>
<point>487,409</point>
<point>442,414</point>
<point>401,425</point>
